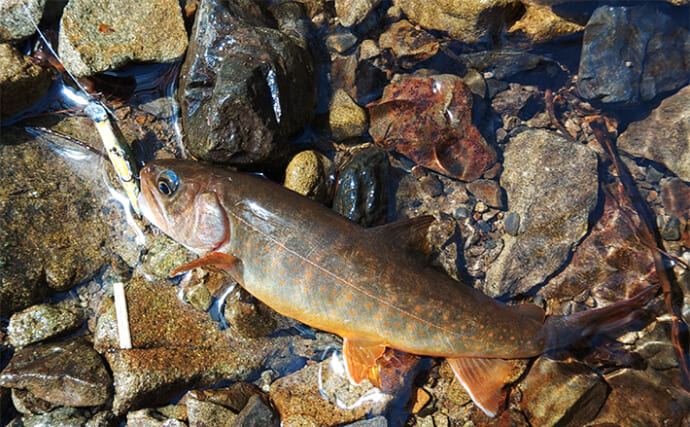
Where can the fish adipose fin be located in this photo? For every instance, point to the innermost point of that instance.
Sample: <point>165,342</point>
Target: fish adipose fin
<point>360,360</point>
<point>228,263</point>
<point>483,379</point>
<point>410,232</point>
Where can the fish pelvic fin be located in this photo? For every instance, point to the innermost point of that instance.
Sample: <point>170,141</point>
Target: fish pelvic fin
<point>218,260</point>
<point>483,379</point>
<point>562,331</point>
<point>361,357</point>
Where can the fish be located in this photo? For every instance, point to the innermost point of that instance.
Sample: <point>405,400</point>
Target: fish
<point>368,286</point>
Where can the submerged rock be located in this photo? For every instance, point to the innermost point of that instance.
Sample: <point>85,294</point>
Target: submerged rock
<point>22,83</point>
<point>663,136</point>
<point>352,12</point>
<point>43,321</point>
<point>346,119</point>
<point>541,24</point>
<point>245,86</point>
<point>17,18</point>
<point>551,184</point>
<point>107,36</point>
<point>406,45</point>
<point>631,54</point>
<point>68,373</point>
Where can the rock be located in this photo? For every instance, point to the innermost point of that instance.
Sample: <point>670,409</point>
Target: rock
<point>675,196</point>
<point>363,79</point>
<point>655,346</point>
<point>518,104</point>
<point>552,184</point>
<point>17,18</point>
<point>163,255</point>
<point>43,321</point>
<point>642,398</point>
<point>468,21</point>
<point>540,24</point>
<point>155,418</point>
<point>664,136</point>
<point>488,191</point>
<point>429,120</point>
<point>501,64</point>
<point>22,83</point>
<point>60,417</point>
<point>256,414</point>
<point>561,393</point>
<point>68,373</point>
<point>610,263</point>
<point>106,37</point>
<point>352,12</point>
<point>631,54</point>
<point>248,316</point>
<point>405,45</point>
<point>27,403</point>
<point>340,40</point>
<point>302,395</point>
<point>370,422</point>
<point>202,412</point>
<point>245,86</point>
<point>309,174</point>
<point>52,231</point>
<point>175,348</point>
<point>346,119</point>
<point>199,297</point>
<point>360,192</point>
<point>511,223</point>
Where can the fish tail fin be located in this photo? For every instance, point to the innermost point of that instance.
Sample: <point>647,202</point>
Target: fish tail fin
<point>562,331</point>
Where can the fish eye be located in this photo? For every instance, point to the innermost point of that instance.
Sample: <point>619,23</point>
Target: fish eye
<point>168,182</point>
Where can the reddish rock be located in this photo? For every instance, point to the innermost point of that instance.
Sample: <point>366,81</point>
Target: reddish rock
<point>406,45</point>
<point>488,191</point>
<point>429,120</point>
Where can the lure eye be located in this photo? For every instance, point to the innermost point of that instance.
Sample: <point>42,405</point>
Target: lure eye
<point>168,182</point>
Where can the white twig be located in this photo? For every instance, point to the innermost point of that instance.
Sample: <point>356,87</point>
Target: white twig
<point>122,316</point>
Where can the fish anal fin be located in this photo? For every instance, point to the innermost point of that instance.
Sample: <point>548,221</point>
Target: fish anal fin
<point>532,311</point>
<point>360,360</point>
<point>483,379</point>
<point>226,262</point>
<point>410,232</point>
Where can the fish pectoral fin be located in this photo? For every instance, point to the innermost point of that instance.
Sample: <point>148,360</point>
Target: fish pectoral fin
<point>410,232</point>
<point>226,262</point>
<point>483,379</point>
<point>360,360</point>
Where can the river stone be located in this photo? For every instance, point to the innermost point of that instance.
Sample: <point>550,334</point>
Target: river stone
<point>346,119</point>
<point>468,21</point>
<point>50,225</point>
<point>541,24</point>
<point>352,12</point>
<point>17,18</point>
<point>25,402</point>
<point>632,53</point>
<point>67,373</point>
<point>60,417</point>
<point>309,174</point>
<point>561,393</point>
<point>663,136</point>
<point>22,83</point>
<point>245,86</point>
<point>43,321</point>
<point>551,184</point>
<point>106,36</point>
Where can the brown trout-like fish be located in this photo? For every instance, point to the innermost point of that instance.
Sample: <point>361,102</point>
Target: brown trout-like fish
<point>311,264</point>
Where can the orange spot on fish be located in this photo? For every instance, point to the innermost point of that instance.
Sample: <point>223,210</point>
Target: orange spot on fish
<point>491,334</point>
<point>257,245</point>
<point>282,283</point>
<point>330,302</point>
<point>512,338</point>
<point>369,305</point>
<point>417,308</point>
<point>332,313</point>
<point>280,248</point>
<point>411,327</point>
<point>282,271</point>
<point>315,303</point>
<point>379,317</point>
<point>256,260</point>
<point>397,324</point>
<point>323,288</point>
<point>333,292</point>
<point>352,313</point>
<point>349,297</point>
<point>385,323</point>
<point>421,332</point>
<point>247,244</point>
<point>436,338</point>
<point>290,259</point>
<point>265,269</point>
<point>453,338</point>
<point>304,262</point>
<point>317,259</point>
<point>394,298</point>
<point>267,248</point>
<point>478,348</point>
<point>445,317</point>
<point>305,289</point>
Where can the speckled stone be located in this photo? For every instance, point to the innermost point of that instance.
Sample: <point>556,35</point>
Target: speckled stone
<point>22,82</point>
<point>346,119</point>
<point>43,321</point>
<point>308,174</point>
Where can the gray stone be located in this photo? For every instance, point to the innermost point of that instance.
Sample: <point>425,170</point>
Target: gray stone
<point>22,83</point>
<point>60,417</point>
<point>106,36</point>
<point>256,414</point>
<point>551,184</point>
<point>43,321</point>
<point>17,18</point>
<point>631,54</point>
<point>352,12</point>
<point>663,136</point>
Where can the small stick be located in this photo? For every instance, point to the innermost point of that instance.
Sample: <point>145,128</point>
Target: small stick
<point>122,316</point>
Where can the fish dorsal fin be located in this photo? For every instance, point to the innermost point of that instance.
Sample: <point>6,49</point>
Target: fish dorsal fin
<point>226,262</point>
<point>360,360</point>
<point>532,311</point>
<point>411,233</point>
<point>483,379</point>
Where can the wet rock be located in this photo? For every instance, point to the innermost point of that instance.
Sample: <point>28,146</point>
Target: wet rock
<point>360,192</point>
<point>256,413</point>
<point>363,80</point>
<point>675,196</point>
<point>611,263</point>
<point>540,24</point>
<point>300,395</point>
<point>22,83</point>
<point>405,45</point>
<point>488,191</point>
<point>60,417</point>
<point>245,86</point>
<point>552,184</point>
<point>648,393</point>
<point>158,417</point>
<point>429,120</point>
<point>175,348</point>
<point>346,119</point>
<point>17,18</point>
<point>371,422</point>
<point>340,40</point>
<point>25,402</point>
<point>95,39</point>
<point>309,174</point>
<point>655,346</point>
<point>199,297</point>
<point>518,104</point>
<point>511,223</point>
<point>248,316</point>
<point>43,321</point>
<point>352,12</point>
<point>631,54</point>
<point>561,393</point>
<point>503,63</point>
<point>52,232</point>
<point>664,136</point>
<point>203,412</point>
<point>68,373</point>
<point>163,255</point>
<point>466,20</point>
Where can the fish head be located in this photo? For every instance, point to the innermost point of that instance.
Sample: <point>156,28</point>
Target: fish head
<point>179,197</point>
